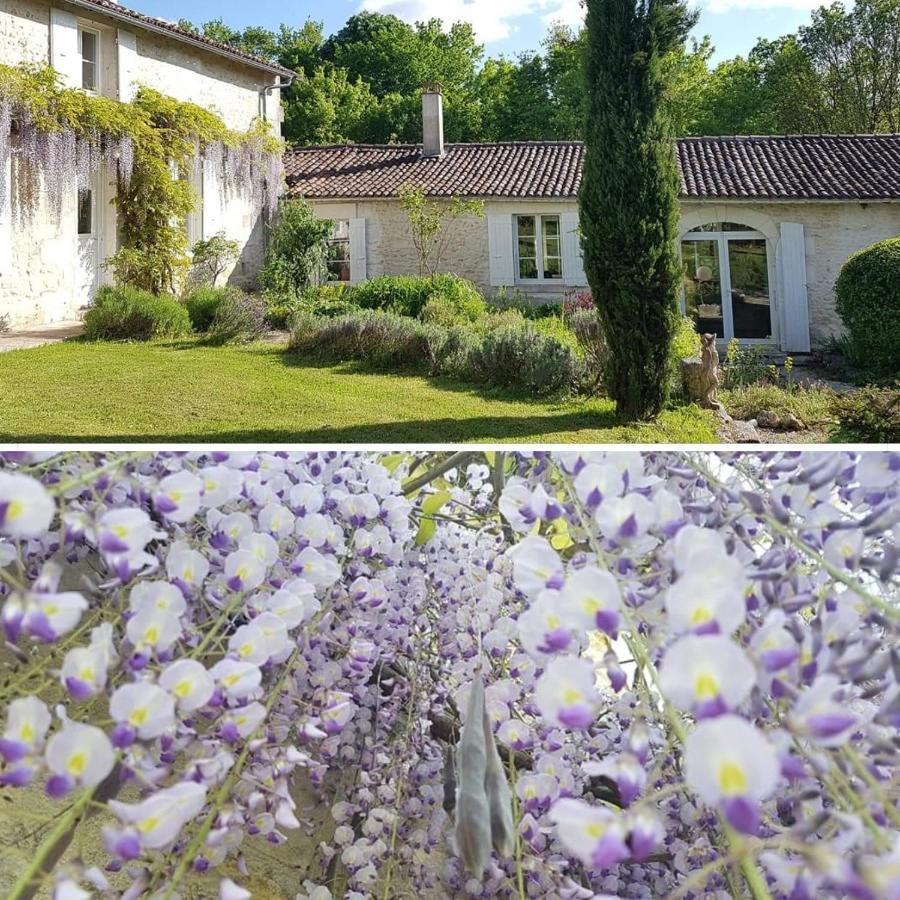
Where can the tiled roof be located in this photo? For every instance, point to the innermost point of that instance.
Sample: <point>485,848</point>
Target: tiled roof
<point>123,12</point>
<point>793,167</point>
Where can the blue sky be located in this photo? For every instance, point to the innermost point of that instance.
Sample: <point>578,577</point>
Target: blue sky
<point>504,26</point>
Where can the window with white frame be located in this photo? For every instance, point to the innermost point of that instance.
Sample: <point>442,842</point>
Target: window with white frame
<point>89,50</point>
<point>338,251</point>
<point>538,248</point>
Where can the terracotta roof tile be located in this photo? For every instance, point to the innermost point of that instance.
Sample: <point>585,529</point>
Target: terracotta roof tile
<point>792,167</point>
<point>123,12</point>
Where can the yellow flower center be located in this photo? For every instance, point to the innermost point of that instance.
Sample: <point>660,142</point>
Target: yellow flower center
<point>120,530</point>
<point>138,716</point>
<point>175,496</point>
<point>552,621</point>
<point>27,732</point>
<point>148,824</point>
<point>245,649</point>
<point>591,605</point>
<point>229,680</point>
<point>14,510</point>
<point>188,574</point>
<point>732,780</point>
<point>705,686</point>
<point>86,674</point>
<point>76,763</point>
<point>595,829</point>
<point>571,695</point>
<point>182,689</point>
<point>151,635</point>
<point>702,614</point>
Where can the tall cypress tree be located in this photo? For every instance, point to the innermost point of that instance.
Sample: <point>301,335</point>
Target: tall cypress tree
<point>629,194</point>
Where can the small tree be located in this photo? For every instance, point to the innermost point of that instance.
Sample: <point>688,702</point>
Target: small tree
<point>210,258</point>
<point>296,255</point>
<point>629,195</point>
<point>431,223</point>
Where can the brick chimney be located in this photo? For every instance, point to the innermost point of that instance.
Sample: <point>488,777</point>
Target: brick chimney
<point>432,120</point>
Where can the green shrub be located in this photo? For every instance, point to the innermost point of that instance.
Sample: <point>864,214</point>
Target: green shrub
<point>202,304</point>
<point>297,248</point>
<point>384,340</point>
<point>406,295</point>
<point>211,257</point>
<point>557,328</point>
<point>239,319</point>
<point>869,415</point>
<point>744,365</point>
<point>868,302</point>
<point>127,313</point>
<point>585,323</point>
<point>813,404</point>
<point>529,307</point>
<point>441,310</point>
<point>524,358</point>
<point>514,357</point>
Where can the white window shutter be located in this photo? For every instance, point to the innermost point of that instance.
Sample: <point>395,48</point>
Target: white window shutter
<point>500,249</point>
<point>64,55</point>
<point>794,303</point>
<point>358,263</point>
<point>573,267</point>
<point>5,217</point>
<point>212,202</point>
<point>127,56</point>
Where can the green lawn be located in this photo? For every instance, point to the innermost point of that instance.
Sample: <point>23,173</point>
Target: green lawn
<point>186,392</point>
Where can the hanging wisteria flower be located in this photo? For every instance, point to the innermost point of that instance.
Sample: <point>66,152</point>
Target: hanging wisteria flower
<point>591,599</point>
<point>178,496</point>
<point>706,674</point>
<point>536,566</point>
<point>156,822</point>
<point>818,715</point>
<point>709,597</point>
<point>594,834</point>
<point>189,682</point>
<point>566,693</point>
<point>26,509</point>
<point>77,755</point>
<point>675,647</point>
<point>142,710</point>
<point>27,723</point>
<point>730,764</point>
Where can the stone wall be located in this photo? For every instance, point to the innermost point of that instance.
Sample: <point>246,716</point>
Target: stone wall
<point>38,257</point>
<point>833,231</point>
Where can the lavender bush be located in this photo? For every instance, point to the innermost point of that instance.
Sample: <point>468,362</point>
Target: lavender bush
<point>564,675</point>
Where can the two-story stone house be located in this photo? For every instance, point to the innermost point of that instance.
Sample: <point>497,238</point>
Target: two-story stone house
<point>50,268</point>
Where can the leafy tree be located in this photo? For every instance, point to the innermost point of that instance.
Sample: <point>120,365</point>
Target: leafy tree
<point>629,194</point>
<point>431,223</point>
<point>296,254</point>
<point>326,107</point>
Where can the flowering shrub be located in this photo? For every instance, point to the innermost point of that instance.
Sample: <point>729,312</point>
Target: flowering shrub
<point>576,301</point>
<point>533,675</point>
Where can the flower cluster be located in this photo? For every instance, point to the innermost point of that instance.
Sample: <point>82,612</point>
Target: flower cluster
<point>685,666</point>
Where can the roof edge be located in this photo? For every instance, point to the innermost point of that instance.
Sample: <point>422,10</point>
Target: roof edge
<point>160,26</point>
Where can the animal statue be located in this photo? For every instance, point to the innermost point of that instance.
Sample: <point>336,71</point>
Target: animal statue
<point>710,378</point>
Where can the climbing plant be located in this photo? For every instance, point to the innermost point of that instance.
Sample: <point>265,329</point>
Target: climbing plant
<point>58,137</point>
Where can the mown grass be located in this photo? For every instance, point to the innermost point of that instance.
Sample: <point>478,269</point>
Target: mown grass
<point>182,391</point>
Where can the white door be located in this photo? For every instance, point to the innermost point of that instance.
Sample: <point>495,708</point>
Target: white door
<point>87,274</point>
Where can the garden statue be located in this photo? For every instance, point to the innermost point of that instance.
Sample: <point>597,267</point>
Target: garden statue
<point>701,376</point>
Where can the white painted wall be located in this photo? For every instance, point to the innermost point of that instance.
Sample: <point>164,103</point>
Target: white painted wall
<point>38,260</point>
<point>832,232</point>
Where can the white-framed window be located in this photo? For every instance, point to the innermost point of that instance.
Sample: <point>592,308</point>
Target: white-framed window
<point>338,251</point>
<point>85,212</point>
<point>538,248</point>
<point>89,51</point>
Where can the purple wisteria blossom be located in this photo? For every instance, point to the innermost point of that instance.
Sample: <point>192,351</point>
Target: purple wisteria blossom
<point>685,672</point>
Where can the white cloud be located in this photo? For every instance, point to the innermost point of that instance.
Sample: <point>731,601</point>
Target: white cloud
<point>492,20</point>
<point>569,12</point>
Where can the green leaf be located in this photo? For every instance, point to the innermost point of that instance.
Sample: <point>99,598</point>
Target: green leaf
<point>430,505</point>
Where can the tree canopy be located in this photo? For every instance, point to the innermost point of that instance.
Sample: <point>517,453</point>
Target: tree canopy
<point>838,73</point>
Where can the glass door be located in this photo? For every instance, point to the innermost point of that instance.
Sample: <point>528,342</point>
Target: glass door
<point>726,282</point>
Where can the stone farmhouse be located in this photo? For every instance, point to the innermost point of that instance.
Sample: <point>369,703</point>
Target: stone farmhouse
<point>766,222</point>
<point>51,267</point>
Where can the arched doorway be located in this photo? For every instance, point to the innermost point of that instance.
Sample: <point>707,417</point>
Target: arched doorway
<point>728,281</point>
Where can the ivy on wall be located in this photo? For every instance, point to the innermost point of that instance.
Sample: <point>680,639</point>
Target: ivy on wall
<point>154,146</point>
